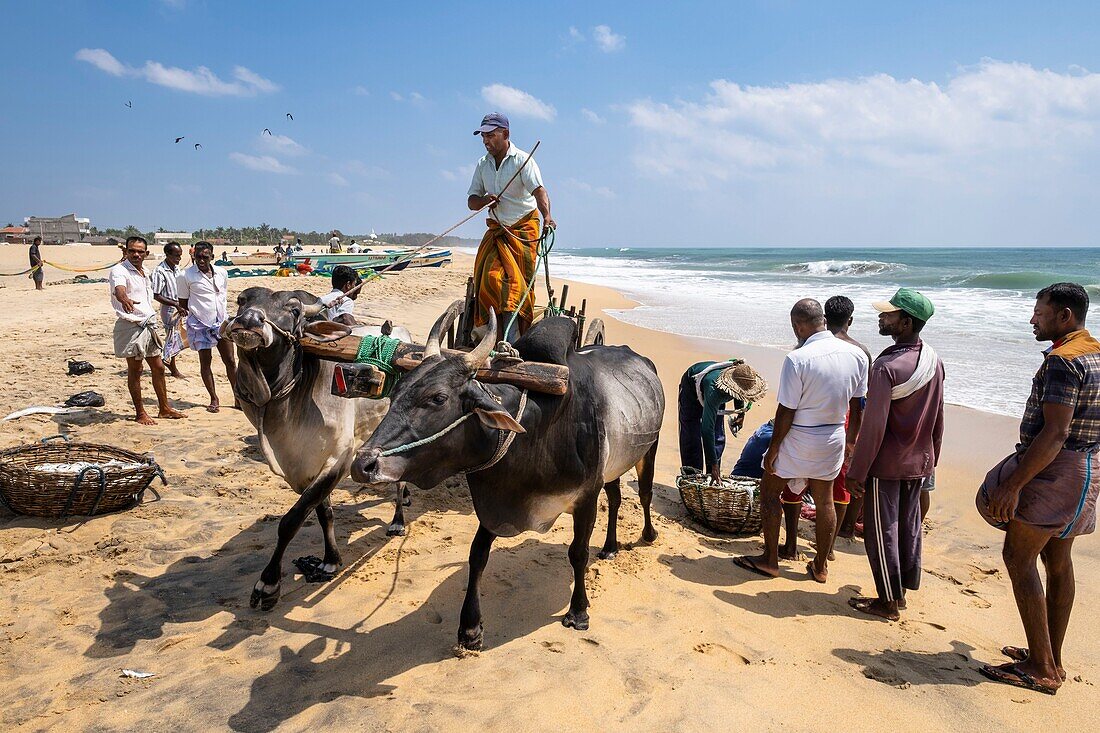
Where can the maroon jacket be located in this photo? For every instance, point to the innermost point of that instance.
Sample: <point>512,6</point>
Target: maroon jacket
<point>899,439</point>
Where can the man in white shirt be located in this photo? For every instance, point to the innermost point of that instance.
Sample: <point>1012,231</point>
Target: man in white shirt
<point>339,306</point>
<point>202,290</point>
<point>506,258</point>
<point>136,337</point>
<point>163,283</point>
<point>822,381</point>
<point>334,244</point>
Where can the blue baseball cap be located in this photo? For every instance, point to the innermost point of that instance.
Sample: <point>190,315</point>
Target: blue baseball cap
<point>492,121</point>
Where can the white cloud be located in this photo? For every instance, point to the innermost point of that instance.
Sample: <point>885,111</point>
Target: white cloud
<point>262,163</point>
<point>336,179</point>
<point>517,102</point>
<point>575,35</point>
<point>589,189</point>
<point>415,98</point>
<point>359,168</point>
<point>592,116</point>
<point>607,41</point>
<point>993,110</point>
<point>360,91</point>
<point>462,173</point>
<point>201,80</point>
<point>396,97</point>
<point>174,4</point>
<point>281,145</point>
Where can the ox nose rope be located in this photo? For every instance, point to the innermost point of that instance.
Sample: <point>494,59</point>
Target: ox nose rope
<point>504,438</point>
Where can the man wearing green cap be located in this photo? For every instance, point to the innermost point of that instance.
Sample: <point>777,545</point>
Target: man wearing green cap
<point>897,449</point>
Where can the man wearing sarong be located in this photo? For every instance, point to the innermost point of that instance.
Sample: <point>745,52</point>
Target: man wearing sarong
<point>897,450</point>
<point>705,388</point>
<point>1044,494</point>
<point>508,253</point>
<point>163,282</point>
<point>821,382</point>
<point>202,290</point>
<point>136,336</point>
<point>38,276</point>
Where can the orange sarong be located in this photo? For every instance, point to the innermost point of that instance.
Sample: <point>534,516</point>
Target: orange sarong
<point>503,267</point>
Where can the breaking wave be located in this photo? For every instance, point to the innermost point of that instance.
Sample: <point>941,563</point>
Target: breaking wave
<point>842,267</point>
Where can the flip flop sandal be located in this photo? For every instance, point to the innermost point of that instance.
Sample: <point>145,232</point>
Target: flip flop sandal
<point>310,567</point>
<point>1020,654</point>
<point>748,564</point>
<point>813,573</point>
<point>863,605</point>
<point>1014,676</point>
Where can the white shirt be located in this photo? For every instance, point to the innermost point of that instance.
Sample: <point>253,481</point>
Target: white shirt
<point>518,201</point>
<point>344,307</point>
<point>205,294</point>
<point>820,378</point>
<point>137,290</point>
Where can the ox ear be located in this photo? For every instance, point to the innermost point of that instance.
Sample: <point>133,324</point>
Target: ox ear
<point>493,415</point>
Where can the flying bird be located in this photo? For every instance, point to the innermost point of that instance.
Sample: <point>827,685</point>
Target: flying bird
<point>267,131</point>
<point>178,139</point>
<point>129,104</point>
<point>197,146</point>
<point>289,116</point>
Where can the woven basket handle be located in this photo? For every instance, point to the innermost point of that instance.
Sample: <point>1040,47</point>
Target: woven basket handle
<point>59,436</point>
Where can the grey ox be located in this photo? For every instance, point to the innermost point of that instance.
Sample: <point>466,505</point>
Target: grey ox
<point>307,435</point>
<point>527,457</point>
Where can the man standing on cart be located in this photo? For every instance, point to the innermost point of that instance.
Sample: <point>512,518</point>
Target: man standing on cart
<point>508,253</point>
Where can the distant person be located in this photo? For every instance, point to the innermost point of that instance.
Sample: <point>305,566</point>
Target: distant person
<point>135,335</point>
<point>340,306</point>
<point>279,250</point>
<point>334,244</point>
<point>1044,494</point>
<point>354,247</point>
<point>202,289</point>
<point>39,276</point>
<point>821,381</point>
<point>507,253</point>
<point>163,283</point>
<point>897,450</point>
<point>705,388</point>
<point>225,255</point>
<point>298,244</point>
<point>236,250</point>
<point>839,311</point>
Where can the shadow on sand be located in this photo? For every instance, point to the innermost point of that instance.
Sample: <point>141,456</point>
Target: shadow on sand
<point>901,668</point>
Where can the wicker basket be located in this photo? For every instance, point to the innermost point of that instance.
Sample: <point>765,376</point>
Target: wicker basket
<point>26,489</point>
<point>733,506</point>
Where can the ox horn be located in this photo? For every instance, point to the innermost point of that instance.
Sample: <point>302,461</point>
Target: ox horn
<point>481,352</point>
<point>440,328</point>
<point>309,311</point>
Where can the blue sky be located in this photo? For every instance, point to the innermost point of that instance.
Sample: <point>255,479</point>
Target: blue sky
<point>734,123</point>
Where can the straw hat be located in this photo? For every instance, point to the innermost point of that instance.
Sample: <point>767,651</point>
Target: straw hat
<point>742,382</point>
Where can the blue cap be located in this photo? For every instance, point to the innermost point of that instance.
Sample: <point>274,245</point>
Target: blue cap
<point>492,121</point>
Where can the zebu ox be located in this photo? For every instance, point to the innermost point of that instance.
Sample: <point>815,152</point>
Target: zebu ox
<point>527,457</point>
<point>307,435</point>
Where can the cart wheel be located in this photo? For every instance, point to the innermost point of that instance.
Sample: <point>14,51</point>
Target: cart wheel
<point>595,333</point>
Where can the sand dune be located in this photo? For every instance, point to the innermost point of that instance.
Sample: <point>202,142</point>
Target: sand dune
<point>680,638</point>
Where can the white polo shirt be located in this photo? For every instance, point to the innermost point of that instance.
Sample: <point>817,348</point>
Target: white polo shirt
<point>518,200</point>
<point>344,307</point>
<point>205,294</point>
<point>137,290</point>
<point>820,378</point>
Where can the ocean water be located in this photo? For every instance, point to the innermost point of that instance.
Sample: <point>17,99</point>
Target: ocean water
<point>983,299</point>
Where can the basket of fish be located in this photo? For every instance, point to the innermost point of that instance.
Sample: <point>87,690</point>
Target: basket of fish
<point>61,479</point>
<point>732,506</point>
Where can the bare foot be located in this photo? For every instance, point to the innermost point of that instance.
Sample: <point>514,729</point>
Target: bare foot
<point>875,607</point>
<point>144,419</point>
<point>820,575</point>
<point>758,565</point>
<point>178,375</point>
<point>169,413</point>
<point>788,554</point>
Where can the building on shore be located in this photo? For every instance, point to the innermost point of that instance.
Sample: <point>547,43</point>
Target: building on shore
<point>58,229</point>
<point>15,235</point>
<point>182,238</point>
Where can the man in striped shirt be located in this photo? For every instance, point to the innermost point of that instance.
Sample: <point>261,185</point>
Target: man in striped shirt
<point>163,283</point>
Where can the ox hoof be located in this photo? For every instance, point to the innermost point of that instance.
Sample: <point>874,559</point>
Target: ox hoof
<point>606,554</point>
<point>407,501</point>
<point>265,601</point>
<point>395,530</point>
<point>471,639</point>
<point>649,534</point>
<point>578,621</point>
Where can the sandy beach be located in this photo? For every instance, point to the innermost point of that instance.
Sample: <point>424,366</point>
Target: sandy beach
<point>680,638</point>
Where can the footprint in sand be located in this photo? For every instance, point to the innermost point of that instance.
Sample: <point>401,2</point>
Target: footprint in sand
<point>976,599</point>
<point>553,646</point>
<point>714,648</point>
<point>886,677</point>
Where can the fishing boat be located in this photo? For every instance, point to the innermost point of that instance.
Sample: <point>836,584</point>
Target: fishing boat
<point>374,258</point>
<point>242,259</point>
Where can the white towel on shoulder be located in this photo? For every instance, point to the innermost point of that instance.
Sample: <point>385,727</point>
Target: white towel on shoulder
<point>927,364</point>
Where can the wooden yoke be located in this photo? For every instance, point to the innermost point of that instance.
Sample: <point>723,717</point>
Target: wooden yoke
<point>533,375</point>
